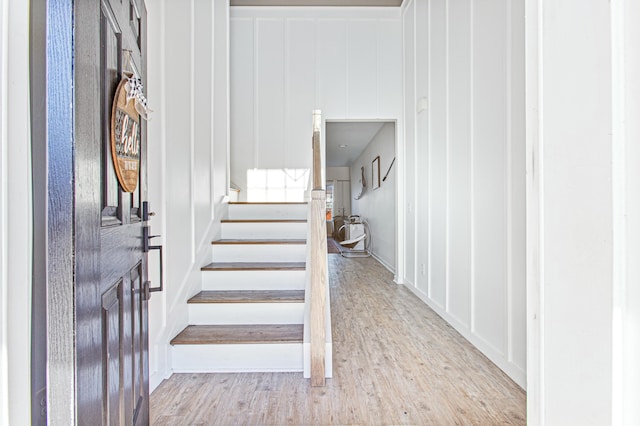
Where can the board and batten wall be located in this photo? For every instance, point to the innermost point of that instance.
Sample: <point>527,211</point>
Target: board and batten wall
<point>286,62</point>
<point>464,170</point>
<point>187,164</point>
<point>378,206</point>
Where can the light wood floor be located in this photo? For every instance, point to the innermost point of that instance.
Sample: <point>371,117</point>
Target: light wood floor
<point>395,362</point>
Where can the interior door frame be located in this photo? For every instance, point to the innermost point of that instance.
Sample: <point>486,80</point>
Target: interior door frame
<point>38,110</point>
<point>399,184</point>
<point>56,188</point>
<point>625,203</point>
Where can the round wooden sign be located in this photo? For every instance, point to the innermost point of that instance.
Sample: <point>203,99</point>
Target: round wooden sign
<point>125,139</point>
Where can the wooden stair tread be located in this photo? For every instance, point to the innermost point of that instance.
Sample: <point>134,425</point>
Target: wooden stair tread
<point>284,203</point>
<point>255,266</point>
<point>258,241</point>
<point>239,334</point>
<point>263,221</point>
<point>249,296</point>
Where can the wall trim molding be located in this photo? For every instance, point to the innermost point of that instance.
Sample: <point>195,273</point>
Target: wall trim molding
<point>534,214</point>
<point>465,246</point>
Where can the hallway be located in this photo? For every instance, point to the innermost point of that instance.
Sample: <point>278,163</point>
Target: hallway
<point>395,362</point>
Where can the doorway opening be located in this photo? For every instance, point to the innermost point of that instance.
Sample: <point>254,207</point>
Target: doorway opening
<point>361,182</point>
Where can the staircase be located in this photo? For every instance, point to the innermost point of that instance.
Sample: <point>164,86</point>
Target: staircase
<point>249,315</point>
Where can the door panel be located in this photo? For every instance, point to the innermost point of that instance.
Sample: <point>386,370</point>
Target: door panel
<point>111,66</point>
<point>139,353</point>
<point>111,354</point>
<point>118,383</point>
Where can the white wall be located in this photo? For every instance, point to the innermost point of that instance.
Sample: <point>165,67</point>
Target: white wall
<point>378,206</point>
<point>626,347</point>
<point>582,109</point>
<point>340,179</point>
<point>15,215</point>
<point>337,173</point>
<point>285,62</point>
<point>464,170</point>
<point>626,326</point>
<point>576,253</point>
<point>187,154</point>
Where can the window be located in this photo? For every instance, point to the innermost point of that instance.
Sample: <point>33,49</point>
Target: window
<point>277,184</point>
<point>329,201</point>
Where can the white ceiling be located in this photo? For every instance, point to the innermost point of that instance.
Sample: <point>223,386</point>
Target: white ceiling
<point>355,135</point>
<point>370,3</point>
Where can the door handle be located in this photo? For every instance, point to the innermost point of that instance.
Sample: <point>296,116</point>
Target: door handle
<point>146,247</point>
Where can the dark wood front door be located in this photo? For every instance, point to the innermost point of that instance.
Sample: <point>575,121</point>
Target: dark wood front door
<point>110,263</point>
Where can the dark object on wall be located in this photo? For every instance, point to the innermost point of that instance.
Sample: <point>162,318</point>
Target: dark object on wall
<point>389,169</point>
<point>364,184</point>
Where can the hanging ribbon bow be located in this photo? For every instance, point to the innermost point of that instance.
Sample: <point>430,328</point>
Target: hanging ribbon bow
<point>135,91</point>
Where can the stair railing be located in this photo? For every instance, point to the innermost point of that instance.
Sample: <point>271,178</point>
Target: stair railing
<point>319,318</point>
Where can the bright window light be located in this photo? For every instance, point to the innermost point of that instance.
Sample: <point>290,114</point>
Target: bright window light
<point>277,185</point>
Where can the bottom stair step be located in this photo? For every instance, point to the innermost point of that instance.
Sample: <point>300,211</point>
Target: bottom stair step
<point>238,348</point>
<point>239,334</point>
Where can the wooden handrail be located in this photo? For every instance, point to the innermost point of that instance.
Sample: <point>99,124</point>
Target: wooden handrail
<point>318,264</point>
<point>318,152</point>
<point>318,271</point>
<point>317,162</point>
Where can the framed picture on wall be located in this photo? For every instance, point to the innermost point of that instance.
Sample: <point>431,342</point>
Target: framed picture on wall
<point>375,173</point>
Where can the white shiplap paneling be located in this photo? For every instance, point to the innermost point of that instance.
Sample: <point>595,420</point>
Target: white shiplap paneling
<point>469,174</point>
<point>270,93</point>
<point>331,62</point>
<point>459,172</point>
<point>178,237</point>
<point>517,351</point>
<point>242,102</point>
<point>437,140</point>
<point>181,166</point>
<point>490,176</point>
<point>389,86</point>
<point>301,90</point>
<point>203,109</point>
<point>407,163</point>
<point>344,62</point>
<point>362,90</point>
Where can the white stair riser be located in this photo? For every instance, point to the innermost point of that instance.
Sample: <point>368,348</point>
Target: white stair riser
<point>253,280</point>
<point>237,358</point>
<point>246,313</point>
<point>264,230</point>
<point>259,252</point>
<point>268,211</point>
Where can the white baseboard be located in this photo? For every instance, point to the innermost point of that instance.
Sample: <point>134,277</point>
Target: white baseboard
<point>516,373</point>
<point>390,268</point>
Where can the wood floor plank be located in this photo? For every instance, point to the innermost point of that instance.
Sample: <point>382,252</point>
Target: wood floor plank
<point>395,361</point>
<point>255,266</point>
<point>239,334</point>
<point>259,241</point>
<point>249,296</point>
